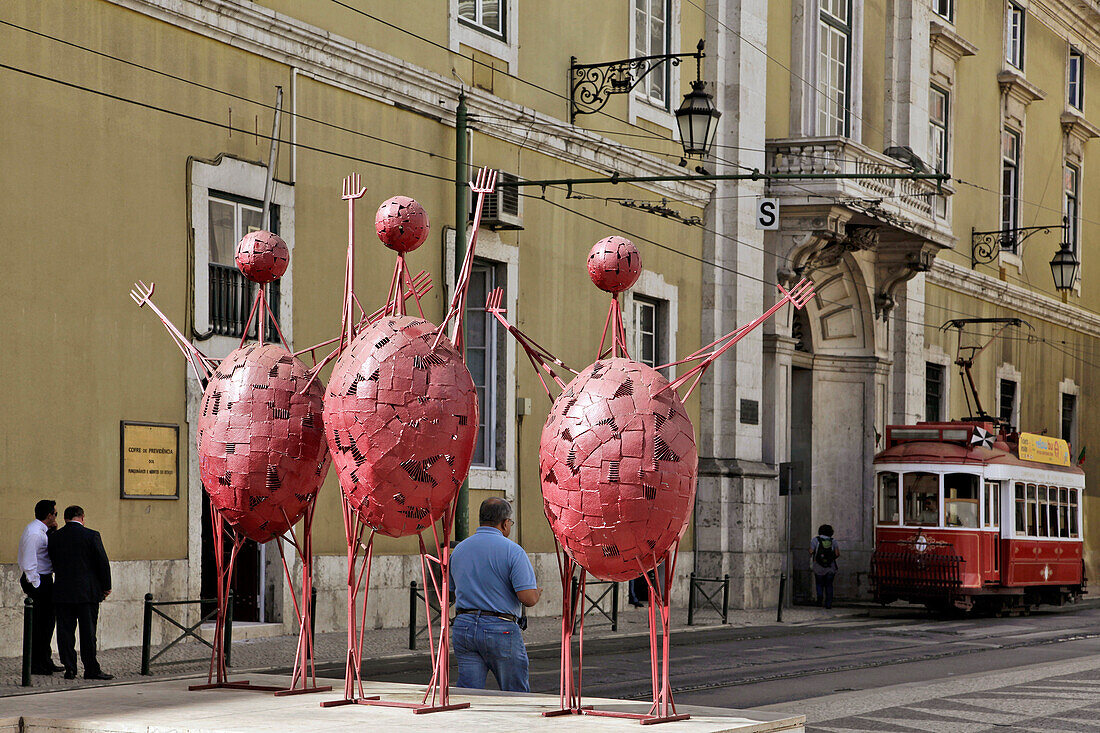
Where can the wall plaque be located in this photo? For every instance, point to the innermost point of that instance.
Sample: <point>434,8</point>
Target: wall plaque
<point>149,461</point>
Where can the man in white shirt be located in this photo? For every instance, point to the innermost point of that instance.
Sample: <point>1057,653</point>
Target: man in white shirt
<point>37,582</point>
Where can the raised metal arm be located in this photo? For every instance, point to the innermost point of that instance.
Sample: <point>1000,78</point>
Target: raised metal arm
<point>540,358</point>
<point>798,296</point>
<point>485,183</point>
<point>201,364</point>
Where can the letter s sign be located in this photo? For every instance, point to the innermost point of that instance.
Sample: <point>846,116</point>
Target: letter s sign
<point>767,213</point>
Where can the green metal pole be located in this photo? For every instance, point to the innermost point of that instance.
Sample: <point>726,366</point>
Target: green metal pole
<point>462,511</point>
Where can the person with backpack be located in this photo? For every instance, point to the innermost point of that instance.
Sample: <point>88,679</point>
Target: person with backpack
<point>823,555</point>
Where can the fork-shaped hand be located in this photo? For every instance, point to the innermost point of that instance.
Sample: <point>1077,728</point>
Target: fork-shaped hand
<point>352,189</point>
<point>800,294</point>
<point>486,181</point>
<point>142,292</point>
<point>492,303</point>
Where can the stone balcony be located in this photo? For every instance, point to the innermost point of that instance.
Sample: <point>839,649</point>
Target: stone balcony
<point>914,208</point>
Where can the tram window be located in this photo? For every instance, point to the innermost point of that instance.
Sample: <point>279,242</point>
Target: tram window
<point>1032,520</point>
<point>1063,513</point>
<point>992,504</point>
<point>1041,503</point>
<point>888,498</point>
<point>960,499</point>
<point>1021,511</point>
<point>922,498</point>
<point>1073,512</point>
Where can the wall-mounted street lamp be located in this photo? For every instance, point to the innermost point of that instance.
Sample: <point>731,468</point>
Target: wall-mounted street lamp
<point>985,246</point>
<point>591,85</point>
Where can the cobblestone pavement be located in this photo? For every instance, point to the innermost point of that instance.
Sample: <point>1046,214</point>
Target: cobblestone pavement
<point>190,657</point>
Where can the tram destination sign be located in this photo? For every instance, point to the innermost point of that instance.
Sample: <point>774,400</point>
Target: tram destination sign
<point>1044,449</point>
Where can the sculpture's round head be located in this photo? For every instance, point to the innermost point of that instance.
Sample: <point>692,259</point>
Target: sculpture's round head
<point>614,264</point>
<point>262,256</point>
<point>401,223</point>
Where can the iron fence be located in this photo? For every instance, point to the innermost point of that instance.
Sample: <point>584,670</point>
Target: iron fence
<point>699,588</point>
<point>153,607</point>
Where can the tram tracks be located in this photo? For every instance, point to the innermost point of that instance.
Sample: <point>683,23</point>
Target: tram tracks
<point>972,646</point>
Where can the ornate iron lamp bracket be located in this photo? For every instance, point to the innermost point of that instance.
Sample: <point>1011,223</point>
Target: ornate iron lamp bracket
<point>985,246</point>
<point>591,85</point>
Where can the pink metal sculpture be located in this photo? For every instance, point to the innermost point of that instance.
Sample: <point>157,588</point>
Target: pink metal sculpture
<point>262,453</point>
<point>401,418</point>
<point>618,466</point>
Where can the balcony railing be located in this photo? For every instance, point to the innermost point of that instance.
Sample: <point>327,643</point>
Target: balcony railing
<point>916,202</point>
<point>231,295</point>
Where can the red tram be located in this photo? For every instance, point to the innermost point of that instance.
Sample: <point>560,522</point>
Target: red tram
<point>970,516</point>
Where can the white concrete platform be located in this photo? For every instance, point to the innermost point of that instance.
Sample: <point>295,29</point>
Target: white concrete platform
<point>166,706</point>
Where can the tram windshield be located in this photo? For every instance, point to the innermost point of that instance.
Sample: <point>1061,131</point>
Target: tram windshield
<point>922,498</point>
<point>960,499</point>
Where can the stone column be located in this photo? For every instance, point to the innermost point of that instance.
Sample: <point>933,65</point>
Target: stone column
<point>736,520</point>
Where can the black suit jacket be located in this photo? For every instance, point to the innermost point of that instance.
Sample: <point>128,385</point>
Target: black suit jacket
<point>81,571</point>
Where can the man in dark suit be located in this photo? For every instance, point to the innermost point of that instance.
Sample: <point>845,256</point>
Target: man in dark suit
<point>82,578</point>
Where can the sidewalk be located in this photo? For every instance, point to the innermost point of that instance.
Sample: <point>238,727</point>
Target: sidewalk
<point>391,645</point>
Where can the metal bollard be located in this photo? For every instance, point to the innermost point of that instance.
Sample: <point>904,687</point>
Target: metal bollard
<point>28,637</point>
<point>313,611</point>
<point>412,615</point>
<point>726,599</point>
<point>779,606</point>
<point>691,598</point>
<point>146,633</point>
<point>615,607</point>
<point>228,637</point>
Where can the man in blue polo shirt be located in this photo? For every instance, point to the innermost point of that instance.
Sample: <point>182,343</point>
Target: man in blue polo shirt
<point>493,580</point>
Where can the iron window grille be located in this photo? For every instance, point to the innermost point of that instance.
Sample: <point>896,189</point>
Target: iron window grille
<point>230,292</point>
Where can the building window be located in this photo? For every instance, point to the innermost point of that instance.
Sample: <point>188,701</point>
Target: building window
<point>1075,77</point>
<point>1071,184</point>
<point>652,37</point>
<point>945,9</point>
<point>231,293</point>
<point>1069,418</point>
<point>1008,401</point>
<point>834,67</point>
<point>484,353</point>
<point>934,383</point>
<point>485,15</point>
<point>937,117</point>
<point>1010,186</point>
<point>649,331</point>
<point>1014,36</point>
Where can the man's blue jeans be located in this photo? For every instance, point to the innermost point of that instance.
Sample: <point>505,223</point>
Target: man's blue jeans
<point>484,643</point>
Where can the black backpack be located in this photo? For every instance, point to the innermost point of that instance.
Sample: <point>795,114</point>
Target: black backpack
<point>825,554</point>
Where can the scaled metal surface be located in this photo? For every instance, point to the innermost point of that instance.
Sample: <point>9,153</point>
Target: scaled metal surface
<point>401,421</point>
<point>262,452</point>
<point>618,462</point>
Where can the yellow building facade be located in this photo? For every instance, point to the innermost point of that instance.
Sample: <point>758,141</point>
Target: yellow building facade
<point>136,146</point>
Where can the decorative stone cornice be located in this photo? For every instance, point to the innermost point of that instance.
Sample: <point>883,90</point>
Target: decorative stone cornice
<point>1016,87</point>
<point>1074,125</point>
<point>971,283</point>
<point>352,66</point>
<point>950,43</point>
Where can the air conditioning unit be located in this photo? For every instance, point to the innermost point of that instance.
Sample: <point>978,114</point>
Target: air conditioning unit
<point>503,208</point>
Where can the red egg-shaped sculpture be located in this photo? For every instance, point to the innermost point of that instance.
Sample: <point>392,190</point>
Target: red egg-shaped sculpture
<point>401,422</point>
<point>614,264</point>
<point>401,223</point>
<point>618,464</point>
<point>262,256</point>
<point>262,450</point>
